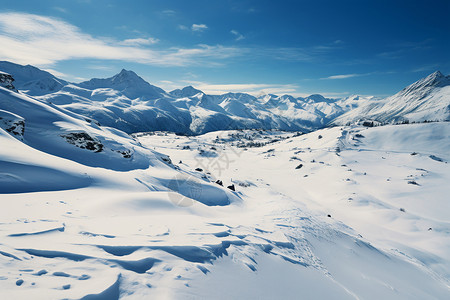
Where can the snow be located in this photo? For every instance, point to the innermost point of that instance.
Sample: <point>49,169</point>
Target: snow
<point>91,212</point>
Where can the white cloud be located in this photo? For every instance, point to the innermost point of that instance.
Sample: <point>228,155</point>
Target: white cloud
<point>43,41</point>
<point>344,76</point>
<point>238,35</point>
<point>250,88</point>
<point>254,89</point>
<point>139,41</point>
<point>198,27</point>
<point>168,12</point>
<point>426,68</point>
<point>60,9</point>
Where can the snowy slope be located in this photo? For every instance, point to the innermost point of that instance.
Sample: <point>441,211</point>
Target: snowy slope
<point>93,213</point>
<point>425,100</point>
<point>362,178</point>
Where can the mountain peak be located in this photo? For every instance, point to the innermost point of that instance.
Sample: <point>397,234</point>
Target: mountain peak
<point>187,91</point>
<point>127,75</point>
<point>436,74</point>
<point>127,82</point>
<point>423,86</point>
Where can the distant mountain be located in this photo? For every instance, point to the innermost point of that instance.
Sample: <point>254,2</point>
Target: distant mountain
<point>428,99</point>
<point>187,91</point>
<point>128,83</point>
<point>32,80</point>
<point>127,102</point>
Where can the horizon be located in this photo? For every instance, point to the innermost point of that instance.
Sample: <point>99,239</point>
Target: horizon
<point>373,48</point>
<point>255,94</point>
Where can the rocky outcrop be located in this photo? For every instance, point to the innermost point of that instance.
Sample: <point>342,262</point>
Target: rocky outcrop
<point>83,141</point>
<point>6,81</point>
<point>12,123</point>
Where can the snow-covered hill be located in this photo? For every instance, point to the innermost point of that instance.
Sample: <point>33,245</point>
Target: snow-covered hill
<point>425,100</point>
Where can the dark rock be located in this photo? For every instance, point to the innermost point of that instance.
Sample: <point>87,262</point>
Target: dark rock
<point>6,81</point>
<point>125,153</point>
<point>299,166</point>
<point>219,182</point>
<point>413,182</point>
<point>433,157</point>
<point>231,187</point>
<point>84,141</point>
<point>166,159</point>
<point>329,216</point>
<point>199,169</point>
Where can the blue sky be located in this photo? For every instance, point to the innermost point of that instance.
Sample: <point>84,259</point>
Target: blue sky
<point>335,48</point>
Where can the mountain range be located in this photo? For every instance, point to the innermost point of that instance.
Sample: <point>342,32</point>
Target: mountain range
<point>127,102</point>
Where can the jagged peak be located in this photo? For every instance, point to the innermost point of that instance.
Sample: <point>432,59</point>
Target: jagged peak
<point>127,75</point>
<point>435,79</point>
<point>436,74</point>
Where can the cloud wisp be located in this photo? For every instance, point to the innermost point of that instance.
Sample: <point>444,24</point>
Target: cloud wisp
<point>250,88</point>
<point>237,35</point>
<point>199,27</point>
<point>139,42</point>
<point>43,41</point>
<point>255,89</point>
<point>343,76</point>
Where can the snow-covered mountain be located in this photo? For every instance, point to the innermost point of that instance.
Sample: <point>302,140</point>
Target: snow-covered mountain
<point>425,100</point>
<point>32,80</point>
<point>127,102</point>
<point>127,83</point>
<point>187,91</point>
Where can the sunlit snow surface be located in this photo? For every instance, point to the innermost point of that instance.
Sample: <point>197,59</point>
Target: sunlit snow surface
<point>165,230</point>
